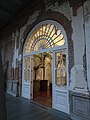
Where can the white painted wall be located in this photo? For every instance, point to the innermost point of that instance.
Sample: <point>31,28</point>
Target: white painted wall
<point>87,32</point>
<point>77,74</point>
<point>78,36</point>
<point>77,77</point>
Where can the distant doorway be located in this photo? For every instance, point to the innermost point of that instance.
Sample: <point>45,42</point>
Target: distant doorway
<point>42,78</point>
<point>45,73</point>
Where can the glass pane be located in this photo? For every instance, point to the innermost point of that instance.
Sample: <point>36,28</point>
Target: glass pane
<point>48,33</point>
<point>27,68</point>
<point>60,65</point>
<point>63,76</point>
<point>57,72</point>
<point>57,56</point>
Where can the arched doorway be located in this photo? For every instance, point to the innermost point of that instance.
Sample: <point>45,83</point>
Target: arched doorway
<point>47,37</point>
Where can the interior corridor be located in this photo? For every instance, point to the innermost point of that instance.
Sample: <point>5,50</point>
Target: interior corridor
<point>42,78</point>
<point>23,109</point>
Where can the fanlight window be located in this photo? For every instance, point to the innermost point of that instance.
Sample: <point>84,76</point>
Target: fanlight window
<point>43,37</point>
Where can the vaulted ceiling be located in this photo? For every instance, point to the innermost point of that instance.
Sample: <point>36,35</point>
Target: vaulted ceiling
<point>10,8</point>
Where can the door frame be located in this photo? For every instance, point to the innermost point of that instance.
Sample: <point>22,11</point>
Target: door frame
<point>57,49</point>
<point>28,83</point>
<point>50,49</point>
<point>53,50</point>
<point>31,54</point>
<point>25,83</point>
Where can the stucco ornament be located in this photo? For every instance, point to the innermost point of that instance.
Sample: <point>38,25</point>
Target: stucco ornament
<point>72,79</point>
<point>77,79</point>
<point>13,36</point>
<point>80,83</point>
<point>19,57</point>
<point>17,33</point>
<point>87,12</point>
<point>22,29</point>
<point>64,8</point>
<point>33,17</point>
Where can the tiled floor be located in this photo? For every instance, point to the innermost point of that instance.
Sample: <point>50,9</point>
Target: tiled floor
<point>23,109</point>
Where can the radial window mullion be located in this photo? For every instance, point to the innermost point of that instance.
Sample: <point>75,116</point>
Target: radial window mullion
<point>48,32</point>
<point>51,31</point>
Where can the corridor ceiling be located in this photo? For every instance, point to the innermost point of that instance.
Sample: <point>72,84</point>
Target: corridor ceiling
<point>10,8</point>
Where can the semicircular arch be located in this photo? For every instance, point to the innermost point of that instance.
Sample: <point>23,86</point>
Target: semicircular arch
<point>45,34</point>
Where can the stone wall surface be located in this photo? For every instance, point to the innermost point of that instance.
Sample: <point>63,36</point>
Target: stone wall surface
<point>75,20</point>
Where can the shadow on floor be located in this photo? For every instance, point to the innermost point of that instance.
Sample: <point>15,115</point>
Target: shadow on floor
<point>23,109</point>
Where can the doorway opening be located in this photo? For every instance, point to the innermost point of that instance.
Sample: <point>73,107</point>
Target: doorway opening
<point>42,78</point>
<point>41,67</point>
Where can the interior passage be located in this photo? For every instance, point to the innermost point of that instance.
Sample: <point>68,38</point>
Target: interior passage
<point>23,109</point>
